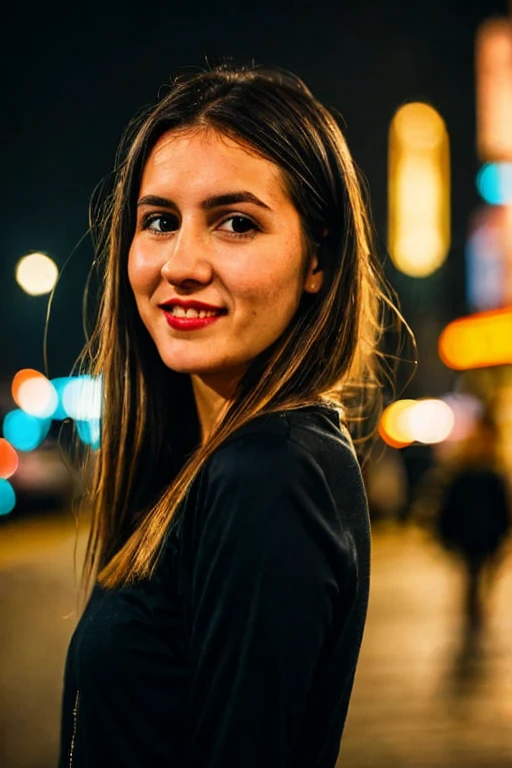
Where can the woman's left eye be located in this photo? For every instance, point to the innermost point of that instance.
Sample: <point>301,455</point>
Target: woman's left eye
<point>241,226</point>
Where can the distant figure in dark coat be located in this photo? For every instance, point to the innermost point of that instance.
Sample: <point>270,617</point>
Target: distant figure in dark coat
<point>474,516</point>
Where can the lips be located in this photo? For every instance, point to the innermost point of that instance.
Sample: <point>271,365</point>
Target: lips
<point>183,323</point>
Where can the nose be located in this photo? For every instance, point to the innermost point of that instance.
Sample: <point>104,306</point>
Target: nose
<point>187,258</point>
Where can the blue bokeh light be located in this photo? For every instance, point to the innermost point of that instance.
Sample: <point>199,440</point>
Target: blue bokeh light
<point>89,432</point>
<point>7,497</point>
<point>23,431</point>
<point>494,183</point>
<point>60,384</point>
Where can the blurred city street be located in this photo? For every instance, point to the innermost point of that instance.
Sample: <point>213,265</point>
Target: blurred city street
<point>423,697</point>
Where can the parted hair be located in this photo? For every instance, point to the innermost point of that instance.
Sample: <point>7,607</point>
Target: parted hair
<point>150,451</point>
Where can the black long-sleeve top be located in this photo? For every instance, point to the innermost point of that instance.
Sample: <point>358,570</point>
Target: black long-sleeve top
<point>241,651</point>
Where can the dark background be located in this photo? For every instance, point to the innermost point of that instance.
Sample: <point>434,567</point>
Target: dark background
<point>73,76</point>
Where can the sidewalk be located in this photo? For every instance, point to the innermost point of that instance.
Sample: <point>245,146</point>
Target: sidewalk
<point>422,698</point>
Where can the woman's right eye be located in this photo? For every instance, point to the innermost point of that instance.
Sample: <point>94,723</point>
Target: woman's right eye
<point>160,222</point>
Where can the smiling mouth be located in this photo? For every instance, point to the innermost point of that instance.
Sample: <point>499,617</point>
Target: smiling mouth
<point>181,319</point>
<point>191,313</point>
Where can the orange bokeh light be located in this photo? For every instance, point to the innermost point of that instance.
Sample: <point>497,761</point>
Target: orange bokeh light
<point>389,424</point>
<point>477,341</point>
<point>20,378</point>
<point>8,459</point>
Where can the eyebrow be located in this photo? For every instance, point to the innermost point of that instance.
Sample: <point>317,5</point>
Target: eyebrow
<point>217,201</point>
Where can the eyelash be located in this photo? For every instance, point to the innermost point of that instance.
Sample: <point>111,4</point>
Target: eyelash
<point>149,218</point>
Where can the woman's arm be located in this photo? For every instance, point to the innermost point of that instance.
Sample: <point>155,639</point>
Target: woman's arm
<point>266,580</point>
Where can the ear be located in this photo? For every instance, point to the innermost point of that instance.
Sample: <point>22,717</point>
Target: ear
<point>314,277</point>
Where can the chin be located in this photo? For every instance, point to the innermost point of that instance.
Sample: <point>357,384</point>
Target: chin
<point>192,367</point>
<point>183,367</point>
<point>181,362</point>
<point>214,371</point>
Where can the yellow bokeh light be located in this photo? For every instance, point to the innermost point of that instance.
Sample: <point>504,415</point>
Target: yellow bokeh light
<point>422,254</point>
<point>477,341</point>
<point>418,190</point>
<point>36,274</point>
<point>419,126</point>
<point>392,428</point>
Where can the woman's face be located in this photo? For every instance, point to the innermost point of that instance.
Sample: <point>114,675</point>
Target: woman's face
<point>217,260</point>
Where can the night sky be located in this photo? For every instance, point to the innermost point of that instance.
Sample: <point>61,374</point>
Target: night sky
<point>73,76</point>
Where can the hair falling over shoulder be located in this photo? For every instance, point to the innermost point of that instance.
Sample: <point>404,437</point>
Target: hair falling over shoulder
<point>331,351</point>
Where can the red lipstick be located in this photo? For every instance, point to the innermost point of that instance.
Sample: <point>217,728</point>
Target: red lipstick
<point>180,323</point>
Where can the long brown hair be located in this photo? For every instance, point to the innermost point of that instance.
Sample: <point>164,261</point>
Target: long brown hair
<point>328,352</point>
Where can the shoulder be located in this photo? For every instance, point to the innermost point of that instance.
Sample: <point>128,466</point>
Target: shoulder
<point>285,435</point>
<point>288,478</point>
<point>296,448</point>
<point>257,456</point>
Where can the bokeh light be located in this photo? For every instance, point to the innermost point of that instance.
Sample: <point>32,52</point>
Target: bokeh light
<point>89,432</point>
<point>419,126</point>
<point>488,257</point>
<point>467,409</point>
<point>25,374</point>
<point>494,183</point>
<point>493,62</point>
<point>38,397</point>
<point>477,341</point>
<point>391,425</point>
<point>428,421</point>
<point>7,497</point>
<point>418,190</point>
<point>9,459</point>
<point>81,398</point>
<point>36,274</point>
<point>23,431</point>
<point>60,384</point>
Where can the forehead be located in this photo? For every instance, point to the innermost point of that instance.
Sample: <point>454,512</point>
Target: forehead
<point>204,157</point>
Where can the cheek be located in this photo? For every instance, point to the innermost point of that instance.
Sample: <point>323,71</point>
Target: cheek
<point>277,286</point>
<point>270,302</point>
<point>141,273</point>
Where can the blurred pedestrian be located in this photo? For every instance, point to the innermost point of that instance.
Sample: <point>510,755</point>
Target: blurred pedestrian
<point>229,551</point>
<point>474,516</point>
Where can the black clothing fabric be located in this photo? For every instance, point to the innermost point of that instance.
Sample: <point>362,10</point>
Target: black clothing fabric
<point>241,651</point>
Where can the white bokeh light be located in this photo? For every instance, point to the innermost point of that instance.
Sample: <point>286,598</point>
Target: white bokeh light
<point>81,398</point>
<point>38,397</point>
<point>36,274</point>
<point>429,421</point>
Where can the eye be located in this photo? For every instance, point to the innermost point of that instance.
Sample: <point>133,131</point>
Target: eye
<point>240,226</point>
<point>159,222</point>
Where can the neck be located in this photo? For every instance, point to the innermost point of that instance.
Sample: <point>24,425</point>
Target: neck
<point>212,398</point>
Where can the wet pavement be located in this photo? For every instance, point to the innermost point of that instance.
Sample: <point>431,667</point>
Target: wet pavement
<point>424,696</point>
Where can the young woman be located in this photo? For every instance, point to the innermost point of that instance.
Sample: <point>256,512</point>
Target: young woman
<point>229,550</point>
